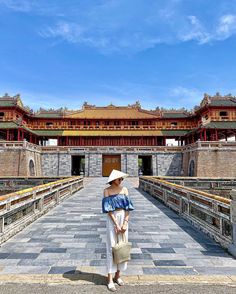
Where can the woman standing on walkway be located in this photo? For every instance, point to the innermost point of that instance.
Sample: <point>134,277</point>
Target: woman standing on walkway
<point>117,204</point>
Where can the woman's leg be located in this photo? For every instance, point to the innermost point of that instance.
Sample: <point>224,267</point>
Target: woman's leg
<point>111,235</point>
<point>122,266</point>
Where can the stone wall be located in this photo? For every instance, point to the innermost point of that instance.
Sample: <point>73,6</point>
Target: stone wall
<point>210,160</point>
<point>168,164</point>
<point>16,161</point>
<point>132,164</point>
<point>93,164</point>
<point>56,164</point>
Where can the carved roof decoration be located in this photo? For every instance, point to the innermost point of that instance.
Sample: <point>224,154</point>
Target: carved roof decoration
<point>217,100</point>
<point>111,111</point>
<point>8,101</point>
<point>50,113</point>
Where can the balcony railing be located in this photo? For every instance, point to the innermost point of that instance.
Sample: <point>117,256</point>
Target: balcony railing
<point>120,127</point>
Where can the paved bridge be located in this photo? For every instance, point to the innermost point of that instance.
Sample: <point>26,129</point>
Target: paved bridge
<point>71,238</point>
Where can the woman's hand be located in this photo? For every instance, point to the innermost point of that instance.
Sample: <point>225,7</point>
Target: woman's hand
<point>124,227</point>
<point>117,229</point>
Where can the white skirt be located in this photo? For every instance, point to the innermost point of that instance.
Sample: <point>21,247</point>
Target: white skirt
<point>112,240</point>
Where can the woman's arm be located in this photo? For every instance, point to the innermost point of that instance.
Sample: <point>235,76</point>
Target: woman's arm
<point>126,218</point>
<point>111,215</point>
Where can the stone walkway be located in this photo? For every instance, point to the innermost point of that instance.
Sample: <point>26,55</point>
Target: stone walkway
<point>72,237</point>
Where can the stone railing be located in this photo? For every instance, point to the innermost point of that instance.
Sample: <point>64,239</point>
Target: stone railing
<point>111,148</point>
<point>210,213</point>
<point>20,208</point>
<point>210,145</point>
<point>19,145</point>
<point>202,183</point>
<point>10,184</point>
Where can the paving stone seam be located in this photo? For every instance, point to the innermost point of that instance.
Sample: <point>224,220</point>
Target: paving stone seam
<point>134,280</point>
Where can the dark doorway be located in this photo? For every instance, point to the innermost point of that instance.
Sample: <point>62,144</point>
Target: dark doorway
<point>32,168</point>
<point>191,169</point>
<point>78,165</point>
<point>145,165</point>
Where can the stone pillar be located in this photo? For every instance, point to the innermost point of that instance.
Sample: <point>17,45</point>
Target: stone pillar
<point>132,164</point>
<point>232,247</point>
<point>64,164</point>
<point>154,165</point>
<point>94,164</point>
<point>124,162</point>
<point>87,160</point>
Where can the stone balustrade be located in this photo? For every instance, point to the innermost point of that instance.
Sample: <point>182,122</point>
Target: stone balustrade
<point>20,208</point>
<point>19,145</point>
<point>105,149</point>
<point>210,213</point>
<point>220,186</point>
<point>210,145</point>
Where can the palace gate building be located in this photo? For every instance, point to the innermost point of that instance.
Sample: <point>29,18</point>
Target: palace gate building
<point>93,140</point>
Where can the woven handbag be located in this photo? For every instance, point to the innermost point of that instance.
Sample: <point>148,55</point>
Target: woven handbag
<point>121,250</point>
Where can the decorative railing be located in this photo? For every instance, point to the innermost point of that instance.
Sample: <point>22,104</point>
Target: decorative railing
<point>201,183</point>
<point>115,127</point>
<point>210,145</point>
<point>210,213</point>
<point>19,145</point>
<point>20,208</point>
<point>111,148</point>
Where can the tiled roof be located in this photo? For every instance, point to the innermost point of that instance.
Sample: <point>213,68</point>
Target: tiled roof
<point>112,113</point>
<point>223,102</point>
<point>174,115</point>
<point>8,125</point>
<point>174,132</point>
<point>221,125</point>
<point>7,102</point>
<point>13,125</point>
<point>49,115</point>
<point>116,133</point>
<point>48,132</point>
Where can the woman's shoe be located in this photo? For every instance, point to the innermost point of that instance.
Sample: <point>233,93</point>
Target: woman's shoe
<point>119,281</point>
<point>111,287</point>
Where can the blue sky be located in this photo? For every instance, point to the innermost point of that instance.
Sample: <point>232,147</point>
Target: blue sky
<point>164,53</point>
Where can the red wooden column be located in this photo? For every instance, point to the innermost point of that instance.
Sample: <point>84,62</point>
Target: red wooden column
<point>205,137</point>
<point>216,135</point>
<point>153,141</point>
<point>164,141</point>
<point>31,138</point>
<point>18,134</point>
<point>8,135</point>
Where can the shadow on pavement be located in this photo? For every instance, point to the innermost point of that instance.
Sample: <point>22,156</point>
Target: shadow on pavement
<point>77,275</point>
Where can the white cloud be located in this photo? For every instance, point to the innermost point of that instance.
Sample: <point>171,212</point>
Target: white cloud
<point>126,26</point>
<point>18,5</point>
<point>70,32</point>
<point>195,31</point>
<point>226,27</point>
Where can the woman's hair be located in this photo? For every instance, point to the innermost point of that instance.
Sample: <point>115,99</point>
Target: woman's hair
<point>114,180</point>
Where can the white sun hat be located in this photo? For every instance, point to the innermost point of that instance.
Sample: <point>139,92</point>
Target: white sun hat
<point>116,174</point>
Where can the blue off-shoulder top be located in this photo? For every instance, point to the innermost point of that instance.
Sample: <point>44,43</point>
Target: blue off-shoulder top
<point>112,202</point>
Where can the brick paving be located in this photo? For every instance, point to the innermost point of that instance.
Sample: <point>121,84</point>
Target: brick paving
<point>71,237</point>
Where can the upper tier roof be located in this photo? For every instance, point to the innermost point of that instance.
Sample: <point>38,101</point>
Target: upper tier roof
<point>217,101</point>
<point>112,112</point>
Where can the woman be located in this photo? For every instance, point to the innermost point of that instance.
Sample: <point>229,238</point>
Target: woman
<point>117,204</point>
